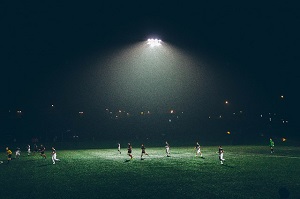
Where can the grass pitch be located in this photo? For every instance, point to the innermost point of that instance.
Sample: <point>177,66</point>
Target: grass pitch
<point>248,172</point>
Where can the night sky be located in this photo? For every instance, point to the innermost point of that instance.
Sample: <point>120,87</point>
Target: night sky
<point>67,54</point>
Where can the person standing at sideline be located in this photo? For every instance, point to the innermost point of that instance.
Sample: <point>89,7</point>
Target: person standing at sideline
<point>129,151</point>
<point>167,149</point>
<point>272,144</point>
<point>54,159</point>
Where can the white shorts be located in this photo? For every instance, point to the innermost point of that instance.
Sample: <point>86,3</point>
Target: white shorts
<point>221,156</point>
<point>167,150</point>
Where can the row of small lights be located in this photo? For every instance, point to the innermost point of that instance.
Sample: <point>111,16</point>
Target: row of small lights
<point>148,112</point>
<point>282,139</point>
<point>142,112</point>
<point>172,112</point>
<point>283,121</point>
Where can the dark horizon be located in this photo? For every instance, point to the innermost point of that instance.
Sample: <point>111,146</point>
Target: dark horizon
<point>74,57</point>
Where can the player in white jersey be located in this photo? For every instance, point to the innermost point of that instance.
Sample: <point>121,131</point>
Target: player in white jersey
<point>28,149</point>
<point>221,155</point>
<point>167,149</point>
<point>54,159</point>
<point>119,148</point>
<point>198,150</point>
<point>18,153</point>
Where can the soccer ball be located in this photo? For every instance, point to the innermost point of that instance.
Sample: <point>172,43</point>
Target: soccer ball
<point>1,162</point>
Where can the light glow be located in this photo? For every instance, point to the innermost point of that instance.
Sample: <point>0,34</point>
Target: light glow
<point>154,42</point>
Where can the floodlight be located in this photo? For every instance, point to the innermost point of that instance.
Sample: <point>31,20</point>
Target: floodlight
<point>154,42</point>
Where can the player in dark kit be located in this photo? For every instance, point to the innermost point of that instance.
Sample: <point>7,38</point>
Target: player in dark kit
<point>129,151</point>
<point>35,149</point>
<point>143,151</point>
<point>42,151</point>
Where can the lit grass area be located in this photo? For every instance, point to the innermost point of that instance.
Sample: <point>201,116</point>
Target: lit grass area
<point>248,172</point>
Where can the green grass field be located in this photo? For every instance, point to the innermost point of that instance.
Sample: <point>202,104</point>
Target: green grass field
<point>248,172</point>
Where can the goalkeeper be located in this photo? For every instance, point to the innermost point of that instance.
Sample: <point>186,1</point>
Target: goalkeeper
<point>272,144</point>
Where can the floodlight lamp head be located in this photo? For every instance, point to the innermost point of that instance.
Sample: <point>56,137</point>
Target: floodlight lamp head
<point>154,42</point>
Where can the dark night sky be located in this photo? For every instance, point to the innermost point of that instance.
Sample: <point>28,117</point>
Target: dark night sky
<point>253,47</point>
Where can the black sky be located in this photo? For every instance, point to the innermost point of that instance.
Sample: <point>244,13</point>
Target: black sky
<point>255,44</point>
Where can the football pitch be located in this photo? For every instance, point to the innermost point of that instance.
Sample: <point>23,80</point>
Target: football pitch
<point>248,172</point>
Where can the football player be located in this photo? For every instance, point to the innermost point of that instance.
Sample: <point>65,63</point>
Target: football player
<point>221,155</point>
<point>9,153</point>
<point>167,149</point>
<point>143,151</point>
<point>54,159</point>
<point>129,151</point>
<point>198,149</point>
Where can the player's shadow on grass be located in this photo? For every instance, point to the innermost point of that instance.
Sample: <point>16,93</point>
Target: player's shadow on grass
<point>127,161</point>
<point>228,166</point>
<point>43,165</point>
<point>29,161</point>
